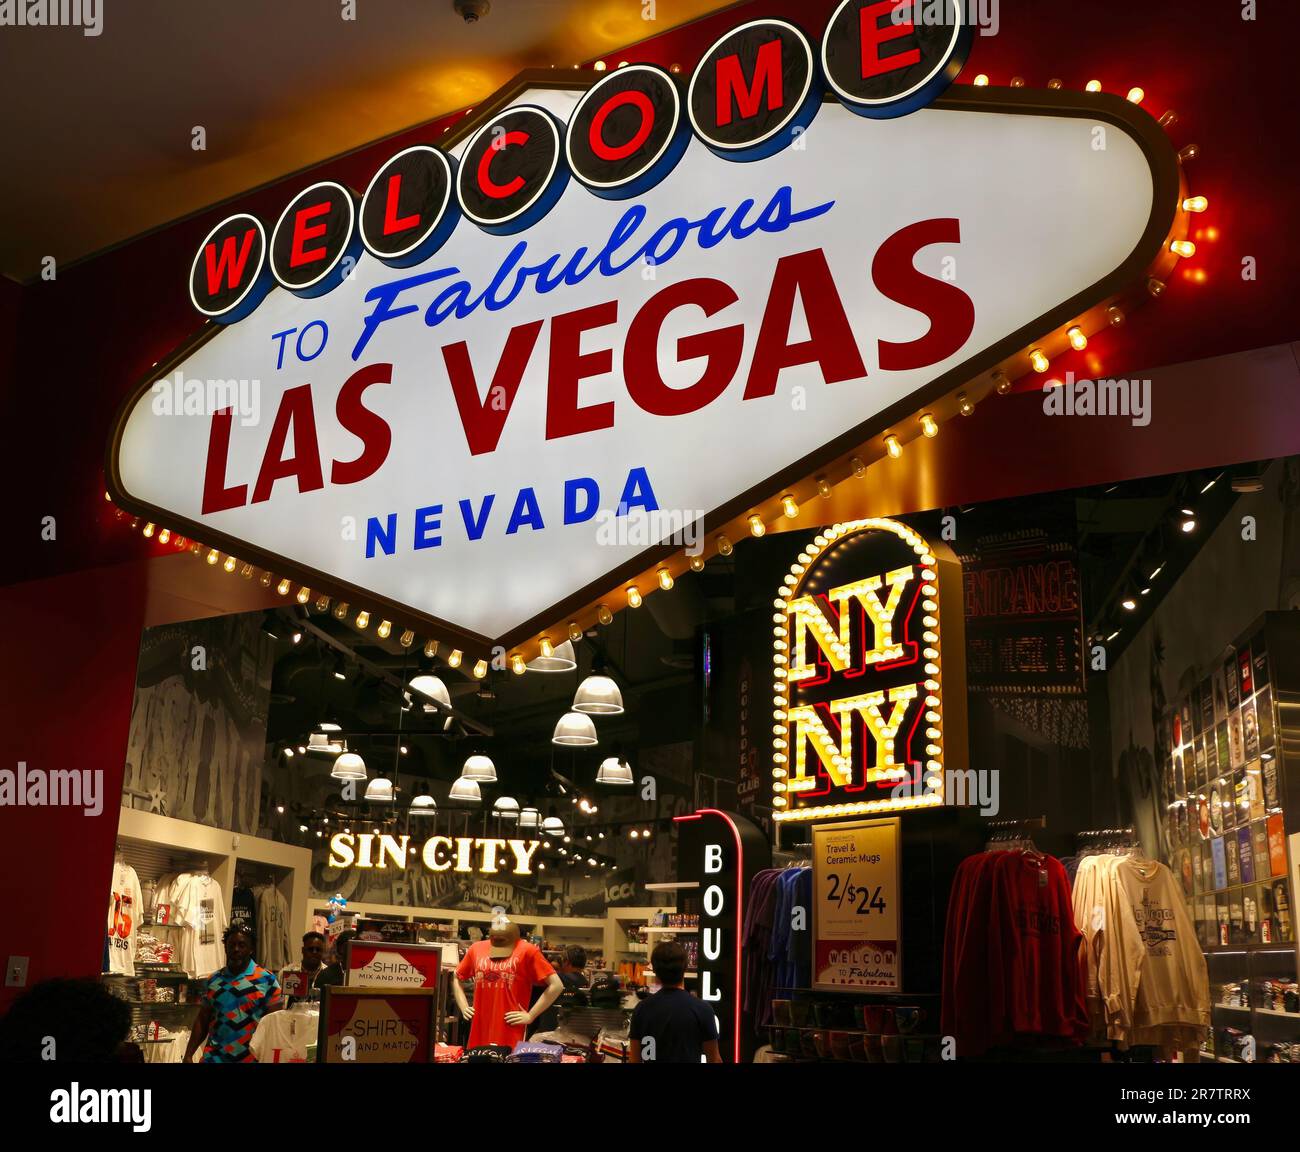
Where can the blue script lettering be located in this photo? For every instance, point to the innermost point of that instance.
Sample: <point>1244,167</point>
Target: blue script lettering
<point>460,300</point>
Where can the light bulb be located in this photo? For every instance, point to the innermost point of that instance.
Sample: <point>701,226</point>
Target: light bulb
<point>454,659</point>
<point>322,603</point>
<point>148,530</point>
<point>981,81</point>
<point>789,506</point>
<point>964,404</point>
<point>756,525</point>
<point>1155,287</point>
<point>724,546</point>
<point>1195,204</point>
<point>1191,152</point>
<point>517,665</point>
<point>665,579</point>
<point>929,426</point>
<point>407,638</point>
<point>341,610</point>
<point>697,563</point>
<point>546,647</point>
<point>1135,95</point>
<point>859,468</point>
<point>230,563</point>
<point>1093,86</point>
<point>1115,314</point>
<point>480,669</point>
<point>1183,248</point>
<point>1001,384</point>
<point>1038,360</point>
<point>1054,83</point>
<point>363,619</point>
<point>893,447</point>
<point>633,596</point>
<point>384,629</point>
<point>604,615</point>
<point>214,556</point>
<point>1078,341</point>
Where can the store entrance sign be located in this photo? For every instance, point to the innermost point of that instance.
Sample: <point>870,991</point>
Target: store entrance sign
<point>483,855</point>
<point>859,640</point>
<point>537,348</point>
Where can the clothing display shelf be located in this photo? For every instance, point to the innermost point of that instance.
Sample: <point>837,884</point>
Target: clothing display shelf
<point>1249,969</point>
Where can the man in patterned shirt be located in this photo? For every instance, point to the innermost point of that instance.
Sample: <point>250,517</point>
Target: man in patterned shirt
<point>235,999</point>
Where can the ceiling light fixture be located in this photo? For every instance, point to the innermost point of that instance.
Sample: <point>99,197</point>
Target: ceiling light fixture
<point>429,685</point>
<point>612,770</point>
<point>598,695</point>
<point>480,769</point>
<point>349,766</point>
<point>465,790</point>
<point>575,729</point>
<point>379,790</point>
<point>554,658</point>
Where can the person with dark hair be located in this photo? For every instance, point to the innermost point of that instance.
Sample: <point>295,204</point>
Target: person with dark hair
<point>234,1000</point>
<point>298,981</point>
<point>333,973</point>
<point>72,1021</point>
<point>672,1026</point>
<point>573,961</point>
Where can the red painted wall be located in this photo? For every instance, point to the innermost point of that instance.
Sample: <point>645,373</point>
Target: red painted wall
<point>70,349</point>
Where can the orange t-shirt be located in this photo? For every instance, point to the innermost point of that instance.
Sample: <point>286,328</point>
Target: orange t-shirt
<point>501,986</point>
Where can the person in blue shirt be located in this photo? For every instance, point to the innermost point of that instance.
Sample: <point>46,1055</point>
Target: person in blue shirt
<point>232,1003</point>
<point>672,1026</point>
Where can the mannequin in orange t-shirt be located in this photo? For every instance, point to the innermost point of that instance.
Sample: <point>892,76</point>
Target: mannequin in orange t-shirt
<point>504,969</point>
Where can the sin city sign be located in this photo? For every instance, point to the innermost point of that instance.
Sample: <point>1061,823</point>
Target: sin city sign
<point>868,713</point>
<point>482,855</point>
<point>519,350</point>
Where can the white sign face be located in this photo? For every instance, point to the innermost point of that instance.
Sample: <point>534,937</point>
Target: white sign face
<point>459,447</point>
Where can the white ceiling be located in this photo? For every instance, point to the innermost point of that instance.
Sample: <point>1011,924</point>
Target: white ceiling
<point>95,132</point>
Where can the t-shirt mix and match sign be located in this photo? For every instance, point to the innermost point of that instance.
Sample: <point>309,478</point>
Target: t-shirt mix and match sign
<point>530,345</point>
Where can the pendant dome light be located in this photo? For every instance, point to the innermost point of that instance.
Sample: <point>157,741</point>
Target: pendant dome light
<point>575,729</point>
<point>598,695</point>
<point>557,659</point>
<point>553,824</point>
<point>430,685</point>
<point>423,805</point>
<point>480,769</point>
<point>323,742</point>
<point>349,766</point>
<point>530,819</point>
<point>612,770</point>
<point>380,790</point>
<point>507,807</point>
<point>465,790</point>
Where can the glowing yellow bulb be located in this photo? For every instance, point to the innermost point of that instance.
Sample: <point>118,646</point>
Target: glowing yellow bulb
<point>363,619</point>
<point>230,563</point>
<point>929,426</point>
<point>697,563</point>
<point>724,546</point>
<point>665,579</point>
<point>517,665</point>
<point>1182,248</point>
<point>633,596</point>
<point>893,447</point>
<point>789,506</point>
<point>575,633</point>
<point>384,629</point>
<point>1093,86</point>
<point>1078,341</point>
<point>453,661</point>
<point>964,404</point>
<point>480,670</point>
<point>756,526</point>
<point>546,647</point>
<point>1038,360</point>
<point>1135,95</point>
<point>407,638</point>
<point>1017,81</point>
<point>604,615</point>
<point>981,81</point>
<point>1195,204</point>
<point>600,66</point>
<point>431,648</point>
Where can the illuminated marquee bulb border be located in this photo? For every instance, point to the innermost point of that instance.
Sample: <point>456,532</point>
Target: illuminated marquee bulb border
<point>781,738</point>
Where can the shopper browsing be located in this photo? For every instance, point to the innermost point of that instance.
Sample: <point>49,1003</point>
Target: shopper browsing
<point>297,982</point>
<point>672,1026</point>
<point>234,1000</point>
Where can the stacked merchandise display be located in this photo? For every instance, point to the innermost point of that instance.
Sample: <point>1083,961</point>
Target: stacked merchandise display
<point>776,945</point>
<point>1231,800</point>
<point>1147,980</point>
<point>1012,974</point>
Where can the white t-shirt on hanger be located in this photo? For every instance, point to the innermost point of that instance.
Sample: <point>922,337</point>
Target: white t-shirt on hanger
<point>283,1037</point>
<point>125,908</point>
